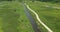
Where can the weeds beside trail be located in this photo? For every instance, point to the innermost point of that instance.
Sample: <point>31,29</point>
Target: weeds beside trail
<point>13,18</point>
<point>50,16</point>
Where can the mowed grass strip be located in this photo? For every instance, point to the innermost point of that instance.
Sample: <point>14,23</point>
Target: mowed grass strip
<point>50,16</point>
<point>13,18</point>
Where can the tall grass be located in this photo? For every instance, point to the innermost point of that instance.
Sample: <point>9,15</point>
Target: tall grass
<point>50,16</point>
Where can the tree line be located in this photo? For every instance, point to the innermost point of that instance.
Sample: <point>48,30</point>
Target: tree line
<point>48,0</point>
<point>10,0</point>
<point>35,0</point>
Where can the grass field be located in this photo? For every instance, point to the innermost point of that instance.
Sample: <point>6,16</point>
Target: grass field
<point>50,16</point>
<point>13,18</point>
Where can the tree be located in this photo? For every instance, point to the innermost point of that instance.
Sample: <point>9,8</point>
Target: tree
<point>49,0</point>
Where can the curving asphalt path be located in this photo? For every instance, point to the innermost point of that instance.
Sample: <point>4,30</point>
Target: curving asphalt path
<point>32,21</point>
<point>49,30</point>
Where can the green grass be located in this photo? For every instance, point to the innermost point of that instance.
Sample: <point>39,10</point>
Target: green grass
<point>50,16</point>
<point>13,18</point>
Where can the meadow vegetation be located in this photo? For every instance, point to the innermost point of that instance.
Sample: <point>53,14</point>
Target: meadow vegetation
<point>13,17</point>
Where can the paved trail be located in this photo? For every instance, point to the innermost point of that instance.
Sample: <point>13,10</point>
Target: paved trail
<point>32,21</point>
<point>49,30</point>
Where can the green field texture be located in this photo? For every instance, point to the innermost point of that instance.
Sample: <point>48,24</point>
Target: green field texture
<point>50,16</point>
<point>47,3</point>
<point>13,17</point>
